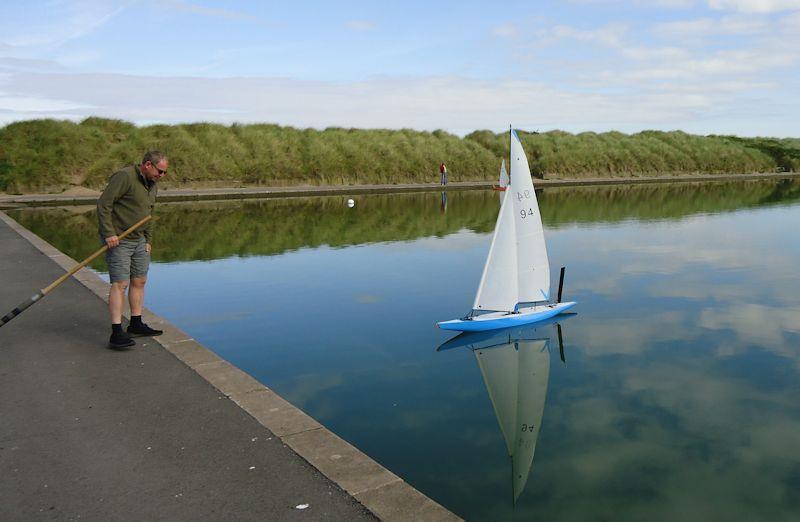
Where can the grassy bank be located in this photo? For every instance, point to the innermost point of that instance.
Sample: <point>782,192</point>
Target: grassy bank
<point>51,155</point>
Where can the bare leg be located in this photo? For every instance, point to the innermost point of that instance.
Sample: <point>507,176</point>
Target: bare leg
<point>136,295</point>
<point>116,300</point>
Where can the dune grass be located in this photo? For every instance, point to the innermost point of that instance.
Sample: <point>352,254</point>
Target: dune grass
<point>51,155</point>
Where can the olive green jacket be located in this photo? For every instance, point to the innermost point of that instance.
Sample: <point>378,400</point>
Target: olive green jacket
<point>127,198</point>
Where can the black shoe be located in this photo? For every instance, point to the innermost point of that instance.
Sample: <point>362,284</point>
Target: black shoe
<point>142,330</point>
<point>120,341</point>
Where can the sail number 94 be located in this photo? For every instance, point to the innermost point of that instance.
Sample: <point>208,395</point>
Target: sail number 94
<point>525,195</point>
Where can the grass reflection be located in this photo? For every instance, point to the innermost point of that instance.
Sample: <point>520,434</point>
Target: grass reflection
<point>216,230</point>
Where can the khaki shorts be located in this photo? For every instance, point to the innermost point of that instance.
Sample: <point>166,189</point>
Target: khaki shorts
<point>127,261</point>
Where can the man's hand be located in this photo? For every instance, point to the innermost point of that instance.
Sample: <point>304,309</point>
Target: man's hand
<point>112,241</point>
<point>148,247</point>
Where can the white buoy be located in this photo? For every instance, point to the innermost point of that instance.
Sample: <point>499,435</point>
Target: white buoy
<point>351,203</point>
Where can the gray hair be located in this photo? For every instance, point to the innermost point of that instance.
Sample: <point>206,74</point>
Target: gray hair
<point>153,156</point>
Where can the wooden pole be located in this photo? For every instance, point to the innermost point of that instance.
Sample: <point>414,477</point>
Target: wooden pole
<point>46,290</point>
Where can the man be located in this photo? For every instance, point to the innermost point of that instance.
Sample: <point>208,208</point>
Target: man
<point>129,196</point>
<point>443,174</point>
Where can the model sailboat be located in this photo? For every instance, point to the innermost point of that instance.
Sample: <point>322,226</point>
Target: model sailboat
<point>515,286</point>
<point>503,181</point>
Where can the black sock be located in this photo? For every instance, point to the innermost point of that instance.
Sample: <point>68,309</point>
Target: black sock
<point>116,328</point>
<point>136,320</point>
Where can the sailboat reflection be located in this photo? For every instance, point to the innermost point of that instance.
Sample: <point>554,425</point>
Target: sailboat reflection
<point>515,364</point>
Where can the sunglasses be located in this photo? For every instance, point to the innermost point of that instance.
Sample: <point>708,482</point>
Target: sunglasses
<point>160,172</point>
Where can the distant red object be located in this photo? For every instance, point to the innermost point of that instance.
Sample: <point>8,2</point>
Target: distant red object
<point>495,187</point>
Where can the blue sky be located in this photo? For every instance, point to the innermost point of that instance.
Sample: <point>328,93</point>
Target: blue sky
<point>702,66</point>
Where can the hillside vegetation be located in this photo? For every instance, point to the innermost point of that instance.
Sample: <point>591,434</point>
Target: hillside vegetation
<point>51,155</point>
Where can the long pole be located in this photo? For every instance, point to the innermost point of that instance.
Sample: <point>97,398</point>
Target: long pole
<point>44,291</point>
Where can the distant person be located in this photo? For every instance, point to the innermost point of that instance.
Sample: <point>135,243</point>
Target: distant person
<point>129,196</point>
<point>443,174</point>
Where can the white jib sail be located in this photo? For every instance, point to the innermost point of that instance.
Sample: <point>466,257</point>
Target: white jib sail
<point>498,287</point>
<point>533,268</point>
<point>503,175</point>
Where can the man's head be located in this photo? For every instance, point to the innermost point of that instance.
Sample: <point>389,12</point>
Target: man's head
<point>154,165</point>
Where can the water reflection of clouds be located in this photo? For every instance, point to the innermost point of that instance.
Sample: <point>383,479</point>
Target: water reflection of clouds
<point>652,253</point>
<point>671,259</point>
<point>704,257</point>
<point>195,319</point>
<point>369,298</point>
<point>665,432</point>
<point>755,325</point>
<point>306,387</point>
<point>679,424</point>
<point>621,337</point>
<point>697,287</point>
<point>464,239</point>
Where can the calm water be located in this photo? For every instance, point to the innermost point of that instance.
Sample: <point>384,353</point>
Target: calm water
<point>678,396</point>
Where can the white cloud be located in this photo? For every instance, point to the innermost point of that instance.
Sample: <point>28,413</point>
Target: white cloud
<point>755,6</point>
<point>790,23</point>
<point>9,64</point>
<point>656,53</point>
<point>704,27</point>
<point>668,4</point>
<point>505,30</point>
<point>610,35</point>
<point>361,25</point>
<point>214,12</point>
<point>73,21</point>
<point>26,105</point>
<point>458,104</point>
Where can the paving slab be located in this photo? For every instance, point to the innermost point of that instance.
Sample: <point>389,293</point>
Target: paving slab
<point>274,412</point>
<point>396,501</point>
<point>340,461</point>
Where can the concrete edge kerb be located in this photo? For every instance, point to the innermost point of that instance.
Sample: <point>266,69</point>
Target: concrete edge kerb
<point>207,194</point>
<point>382,492</point>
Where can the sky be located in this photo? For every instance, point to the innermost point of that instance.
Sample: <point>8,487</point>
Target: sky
<point>701,66</point>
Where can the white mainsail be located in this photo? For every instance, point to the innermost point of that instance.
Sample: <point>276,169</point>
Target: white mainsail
<point>503,175</point>
<point>516,376</point>
<point>517,269</point>
<point>533,268</point>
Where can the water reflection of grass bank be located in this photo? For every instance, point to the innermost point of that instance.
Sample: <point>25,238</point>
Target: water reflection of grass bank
<point>220,229</point>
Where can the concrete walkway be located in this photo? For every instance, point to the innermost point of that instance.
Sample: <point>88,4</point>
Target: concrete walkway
<point>164,431</point>
<point>186,194</point>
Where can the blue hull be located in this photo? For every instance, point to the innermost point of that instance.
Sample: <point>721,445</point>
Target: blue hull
<point>504,321</point>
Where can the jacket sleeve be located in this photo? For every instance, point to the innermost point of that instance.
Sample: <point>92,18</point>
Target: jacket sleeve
<point>148,231</point>
<point>117,186</point>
